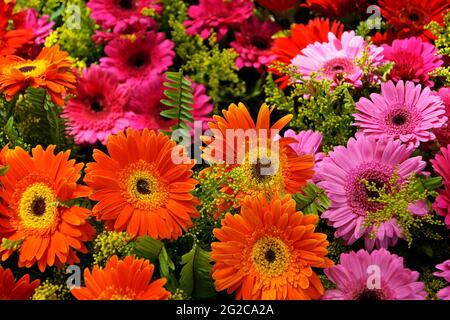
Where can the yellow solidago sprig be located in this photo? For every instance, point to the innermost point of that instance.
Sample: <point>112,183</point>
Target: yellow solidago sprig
<point>110,243</point>
<point>396,202</point>
<point>49,291</point>
<point>442,43</point>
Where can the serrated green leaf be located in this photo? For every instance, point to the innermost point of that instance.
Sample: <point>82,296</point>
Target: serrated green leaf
<point>195,277</point>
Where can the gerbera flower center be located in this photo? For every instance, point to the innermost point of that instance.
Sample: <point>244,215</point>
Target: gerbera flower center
<point>142,186</point>
<point>360,197</point>
<point>38,207</point>
<point>270,256</point>
<point>27,69</point>
<point>260,43</point>
<point>369,294</point>
<point>338,67</point>
<point>126,4</point>
<point>139,60</point>
<point>96,106</point>
<point>114,293</point>
<point>401,120</point>
<point>31,68</point>
<point>261,170</point>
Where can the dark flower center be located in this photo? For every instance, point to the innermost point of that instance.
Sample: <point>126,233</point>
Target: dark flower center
<point>338,68</point>
<point>96,106</point>
<point>270,255</point>
<point>139,60</point>
<point>260,170</point>
<point>378,184</point>
<point>368,294</point>
<point>143,186</point>
<point>27,69</point>
<point>38,206</point>
<point>414,17</point>
<point>260,44</point>
<point>399,119</point>
<point>126,4</point>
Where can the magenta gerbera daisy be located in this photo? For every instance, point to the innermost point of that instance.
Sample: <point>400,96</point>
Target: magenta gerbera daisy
<point>98,109</point>
<point>443,133</point>
<point>342,175</point>
<point>219,15</point>
<point>140,58</point>
<point>444,272</point>
<point>253,42</point>
<point>414,59</point>
<point>108,13</point>
<point>379,275</point>
<point>402,112</point>
<point>441,165</point>
<point>337,59</point>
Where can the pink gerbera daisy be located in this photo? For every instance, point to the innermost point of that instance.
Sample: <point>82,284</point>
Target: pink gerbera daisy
<point>29,19</point>
<point>98,109</point>
<point>108,13</point>
<point>140,59</point>
<point>336,59</point>
<point>441,166</point>
<point>443,133</point>
<point>414,59</point>
<point>379,275</point>
<point>218,15</point>
<point>342,174</point>
<point>253,42</point>
<point>402,112</point>
<point>444,294</point>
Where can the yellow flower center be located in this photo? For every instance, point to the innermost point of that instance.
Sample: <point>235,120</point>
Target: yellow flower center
<point>143,186</point>
<point>31,69</point>
<point>37,207</point>
<point>113,293</point>
<point>270,256</point>
<point>261,170</point>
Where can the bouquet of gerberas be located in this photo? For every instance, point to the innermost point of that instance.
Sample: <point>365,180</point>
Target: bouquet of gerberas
<point>217,149</point>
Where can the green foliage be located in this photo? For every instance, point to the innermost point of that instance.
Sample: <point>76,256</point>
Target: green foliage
<point>195,277</point>
<point>205,61</point>
<point>48,291</point>
<point>312,200</point>
<point>179,99</point>
<point>74,29</point>
<point>442,32</point>
<point>396,201</point>
<point>110,243</point>
<point>155,251</point>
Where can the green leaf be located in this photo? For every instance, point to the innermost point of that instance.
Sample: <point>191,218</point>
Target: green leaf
<point>166,264</point>
<point>179,97</point>
<point>196,273</point>
<point>313,200</point>
<point>149,248</point>
<point>3,170</point>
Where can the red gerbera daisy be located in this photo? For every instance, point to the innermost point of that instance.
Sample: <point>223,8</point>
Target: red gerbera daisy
<point>409,17</point>
<point>286,48</point>
<point>278,5</point>
<point>336,8</point>
<point>21,289</point>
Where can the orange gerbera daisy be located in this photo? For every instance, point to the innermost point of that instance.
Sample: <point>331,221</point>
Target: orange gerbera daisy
<point>287,48</point>
<point>140,188</point>
<point>258,164</point>
<point>268,251</point>
<point>35,196</point>
<point>128,279</point>
<point>12,290</point>
<point>50,70</point>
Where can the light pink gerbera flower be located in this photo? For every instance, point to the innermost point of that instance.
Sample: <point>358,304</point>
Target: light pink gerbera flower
<point>379,275</point>
<point>138,60</point>
<point>336,59</point>
<point>441,166</point>
<point>29,19</point>
<point>253,42</point>
<point>342,174</point>
<point>444,294</point>
<point>402,112</point>
<point>109,13</point>
<point>414,60</point>
<point>98,109</point>
<point>219,15</point>
<point>443,133</point>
